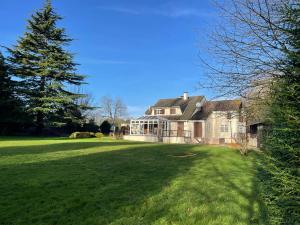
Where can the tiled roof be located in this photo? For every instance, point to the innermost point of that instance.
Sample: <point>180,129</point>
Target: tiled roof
<point>173,102</point>
<point>210,106</point>
<point>188,107</point>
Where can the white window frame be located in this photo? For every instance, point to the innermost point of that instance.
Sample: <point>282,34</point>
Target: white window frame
<point>224,128</point>
<point>158,112</point>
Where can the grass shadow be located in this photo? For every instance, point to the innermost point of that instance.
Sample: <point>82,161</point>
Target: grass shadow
<point>60,147</point>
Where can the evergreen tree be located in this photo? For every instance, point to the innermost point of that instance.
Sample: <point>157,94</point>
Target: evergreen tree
<point>282,140</point>
<point>105,127</point>
<point>10,105</point>
<point>46,69</point>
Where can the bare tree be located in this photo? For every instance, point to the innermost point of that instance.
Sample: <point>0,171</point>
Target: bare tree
<point>247,47</point>
<point>85,101</point>
<point>113,109</point>
<point>246,54</point>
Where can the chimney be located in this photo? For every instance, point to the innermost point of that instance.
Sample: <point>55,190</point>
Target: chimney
<point>185,95</point>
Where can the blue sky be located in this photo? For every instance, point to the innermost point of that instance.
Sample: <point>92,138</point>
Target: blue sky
<point>137,50</point>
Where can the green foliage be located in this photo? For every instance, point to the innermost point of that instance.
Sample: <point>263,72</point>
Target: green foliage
<point>46,70</point>
<point>75,135</point>
<point>11,110</point>
<point>282,142</point>
<point>91,126</point>
<point>99,135</point>
<point>92,181</point>
<point>105,127</point>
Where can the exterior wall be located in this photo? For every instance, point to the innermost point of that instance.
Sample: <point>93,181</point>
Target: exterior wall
<point>213,127</point>
<point>175,140</point>
<point>252,142</point>
<point>188,126</point>
<point>173,125</point>
<point>144,138</point>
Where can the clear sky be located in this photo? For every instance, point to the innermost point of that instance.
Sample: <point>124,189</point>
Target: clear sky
<point>138,50</point>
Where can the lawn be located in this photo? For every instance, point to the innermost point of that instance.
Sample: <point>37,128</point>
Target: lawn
<point>92,181</point>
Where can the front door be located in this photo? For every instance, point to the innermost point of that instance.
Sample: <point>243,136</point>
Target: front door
<point>197,129</point>
<point>180,129</point>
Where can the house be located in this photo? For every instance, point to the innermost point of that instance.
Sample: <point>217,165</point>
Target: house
<point>189,119</point>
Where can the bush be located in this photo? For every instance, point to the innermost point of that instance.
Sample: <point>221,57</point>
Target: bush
<point>105,127</point>
<point>99,135</point>
<point>82,135</point>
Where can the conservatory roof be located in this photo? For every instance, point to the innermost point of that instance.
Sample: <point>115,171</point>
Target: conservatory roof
<point>146,117</point>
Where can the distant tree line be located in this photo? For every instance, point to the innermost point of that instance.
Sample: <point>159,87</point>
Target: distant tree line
<point>36,82</point>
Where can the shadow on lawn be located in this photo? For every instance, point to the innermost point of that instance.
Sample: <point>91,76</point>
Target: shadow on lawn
<point>116,187</point>
<point>247,189</point>
<point>54,147</point>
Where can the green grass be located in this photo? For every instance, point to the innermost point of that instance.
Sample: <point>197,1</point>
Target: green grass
<point>87,181</point>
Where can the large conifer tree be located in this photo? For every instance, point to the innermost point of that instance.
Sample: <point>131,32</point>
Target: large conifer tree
<point>46,68</point>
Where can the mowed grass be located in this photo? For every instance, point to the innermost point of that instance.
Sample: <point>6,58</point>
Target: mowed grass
<point>92,181</point>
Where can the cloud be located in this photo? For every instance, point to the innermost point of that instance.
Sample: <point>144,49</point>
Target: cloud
<point>182,12</point>
<point>173,12</point>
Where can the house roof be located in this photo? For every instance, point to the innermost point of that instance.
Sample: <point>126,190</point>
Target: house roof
<point>188,107</point>
<point>210,106</point>
<point>174,102</point>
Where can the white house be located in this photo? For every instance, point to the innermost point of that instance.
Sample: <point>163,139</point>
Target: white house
<point>189,120</point>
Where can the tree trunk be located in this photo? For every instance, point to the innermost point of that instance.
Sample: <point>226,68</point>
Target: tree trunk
<point>40,115</point>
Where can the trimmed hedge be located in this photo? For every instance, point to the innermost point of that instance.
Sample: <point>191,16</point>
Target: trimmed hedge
<point>82,135</point>
<point>99,135</point>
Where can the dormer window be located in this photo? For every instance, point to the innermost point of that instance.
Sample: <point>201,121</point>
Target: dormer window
<point>159,111</point>
<point>172,111</point>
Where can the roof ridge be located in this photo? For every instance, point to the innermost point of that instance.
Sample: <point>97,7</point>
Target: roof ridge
<point>224,100</point>
<point>181,97</point>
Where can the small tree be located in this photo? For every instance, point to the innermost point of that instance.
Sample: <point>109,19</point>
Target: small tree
<point>105,127</point>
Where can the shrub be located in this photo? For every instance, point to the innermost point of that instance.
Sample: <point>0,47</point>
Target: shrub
<point>99,135</point>
<point>82,135</point>
<point>105,127</point>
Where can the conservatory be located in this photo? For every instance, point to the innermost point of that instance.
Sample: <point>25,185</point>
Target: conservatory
<point>149,126</point>
<point>157,129</point>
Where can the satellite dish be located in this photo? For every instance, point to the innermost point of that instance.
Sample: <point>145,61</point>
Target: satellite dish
<point>198,104</point>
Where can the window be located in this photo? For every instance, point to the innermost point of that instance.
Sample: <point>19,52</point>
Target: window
<point>224,128</point>
<point>242,129</point>
<point>159,111</point>
<point>229,116</point>
<point>172,111</point>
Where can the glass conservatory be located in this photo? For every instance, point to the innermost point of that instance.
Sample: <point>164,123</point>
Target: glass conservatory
<point>149,125</point>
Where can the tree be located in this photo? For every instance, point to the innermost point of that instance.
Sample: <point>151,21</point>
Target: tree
<point>256,52</point>
<point>46,69</point>
<point>113,109</point>
<point>105,127</point>
<point>10,105</point>
<point>282,141</point>
<point>247,47</point>
<point>91,126</point>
